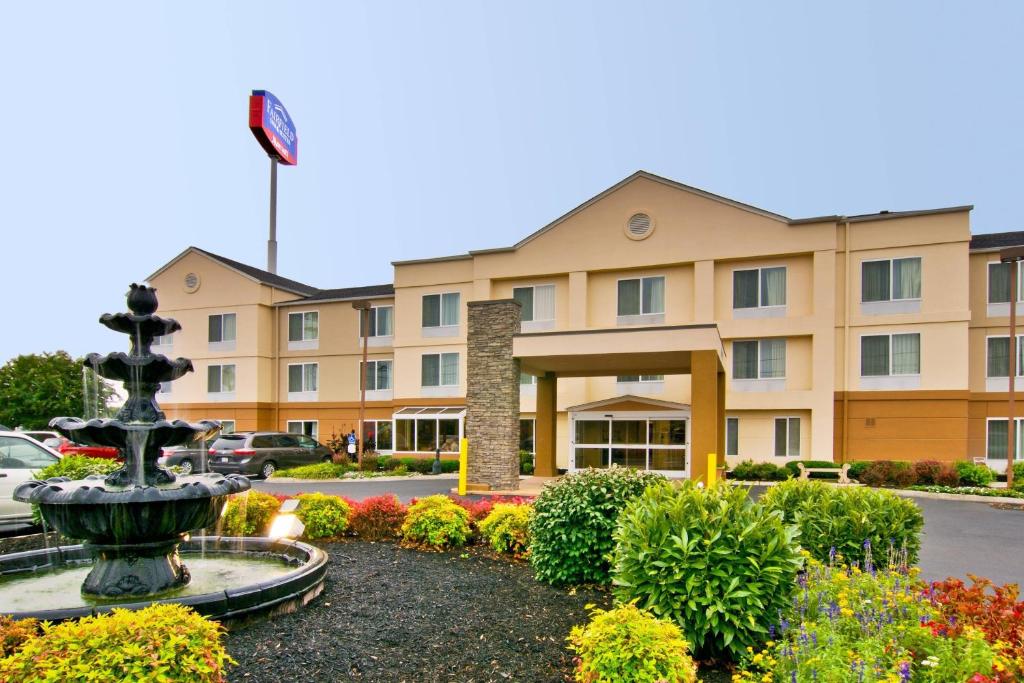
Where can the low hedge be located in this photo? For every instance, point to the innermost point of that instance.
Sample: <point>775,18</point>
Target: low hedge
<point>507,528</point>
<point>748,470</point>
<point>435,522</point>
<point>165,642</point>
<point>249,514</point>
<point>418,465</point>
<point>321,470</point>
<point>324,516</point>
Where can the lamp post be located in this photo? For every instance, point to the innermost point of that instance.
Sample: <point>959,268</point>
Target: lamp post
<point>1012,255</point>
<point>364,327</point>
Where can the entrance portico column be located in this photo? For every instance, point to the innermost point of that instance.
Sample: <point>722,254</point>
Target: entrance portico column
<point>708,408</point>
<point>545,428</point>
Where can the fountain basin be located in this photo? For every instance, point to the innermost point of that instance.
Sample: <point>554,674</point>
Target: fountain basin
<point>233,579</point>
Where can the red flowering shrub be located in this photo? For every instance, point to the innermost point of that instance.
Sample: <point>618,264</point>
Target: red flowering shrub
<point>478,509</point>
<point>378,518</point>
<point>995,610</point>
<point>888,473</point>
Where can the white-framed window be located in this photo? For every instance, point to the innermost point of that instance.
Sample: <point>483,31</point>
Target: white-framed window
<point>222,328</point>
<point>379,375</point>
<point>996,438</point>
<point>641,296</point>
<point>537,302</point>
<point>759,359</point>
<point>997,356</point>
<point>381,322</point>
<point>732,436</point>
<point>426,430</point>
<point>440,370</point>
<point>308,427</point>
<point>787,437</point>
<point>378,436</point>
<point>303,378</point>
<point>441,310</point>
<point>220,379</point>
<point>227,426</point>
<point>526,379</point>
<point>303,326</point>
<point>164,340</point>
<point>884,355</point>
<point>897,279</point>
<point>999,282</point>
<point>632,379</point>
<point>759,287</point>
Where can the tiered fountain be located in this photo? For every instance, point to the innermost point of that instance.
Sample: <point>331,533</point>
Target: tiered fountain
<point>135,521</point>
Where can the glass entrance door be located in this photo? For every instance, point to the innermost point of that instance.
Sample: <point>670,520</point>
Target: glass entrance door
<point>656,442</point>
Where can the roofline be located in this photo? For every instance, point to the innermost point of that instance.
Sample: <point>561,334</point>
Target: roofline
<point>307,301</point>
<point>659,403</point>
<point>907,214</point>
<point>210,256</point>
<point>458,257</point>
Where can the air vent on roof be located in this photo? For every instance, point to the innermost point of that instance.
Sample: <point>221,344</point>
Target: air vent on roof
<point>639,226</point>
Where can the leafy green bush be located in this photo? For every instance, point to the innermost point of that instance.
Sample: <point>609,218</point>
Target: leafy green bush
<point>14,633</point>
<point>713,561</point>
<point>78,467</point>
<point>507,528</point>
<point>1018,475</point>
<point>525,462</point>
<point>574,517</point>
<point>418,465</point>
<point>858,468</point>
<point>324,516</point>
<point>628,645</point>
<point>748,470</point>
<point>888,473</point>
<point>249,514</point>
<point>435,522</point>
<point>321,470</point>
<point>973,475</point>
<point>842,519</point>
<point>165,642</point>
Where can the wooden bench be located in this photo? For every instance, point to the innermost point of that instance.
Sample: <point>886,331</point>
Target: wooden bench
<point>805,472</point>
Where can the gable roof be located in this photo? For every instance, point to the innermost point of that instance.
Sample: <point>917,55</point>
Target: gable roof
<point>997,240</point>
<point>630,398</point>
<point>346,294</point>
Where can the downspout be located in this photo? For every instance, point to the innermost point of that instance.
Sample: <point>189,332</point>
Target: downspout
<point>274,369</point>
<point>846,343</point>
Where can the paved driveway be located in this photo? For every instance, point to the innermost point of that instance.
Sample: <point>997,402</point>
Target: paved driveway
<point>959,537</point>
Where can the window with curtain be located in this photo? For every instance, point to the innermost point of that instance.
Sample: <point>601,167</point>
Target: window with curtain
<point>997,437</point>
<point>998,361</point>
<point>759,287</point>
<point>874,281</point>
<point>440,369</point>
<point>906,278</point>
<point>306,427</point>
<point>526,379</point>
<point>773,358</point>
<point>874,355</point>
<point>773,286</point>
<point>906,354</point>
<point>787,436</point>
<point>999,283</point>
<point>759,359</point>
<point>744,360</point>
<point>537,302</point>
<point>302,377</point>
<point>450,309</point>
<point>222,327</point>
<point>378,375</point>
<point>891,279</point>
<point>380,321</point>
<point>432,310</point>
<point>744,288</point>
<point>220,379</point>
<point>896,354</point>
<point>524,295</point>
<point>732,436</point>
<point>642,296</point>
<point>626,379</point>
<point>441,310</point>
<point>303,326</point>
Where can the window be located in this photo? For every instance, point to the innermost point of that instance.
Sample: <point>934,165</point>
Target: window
<point>220,379</point>
<point>164,340</point>
<point>377,435</point>
<point>759,359</point>
<point>302,377</point>
<point>23,454</point>
<point>997,438</point>
<point>307,427</point>
<point>526,379</point>
<point>890,279</point>
<point>538,302</point>
<point>882,355</point>
<point>426,430</point>
<point>787,436</point>
<point>626,379</point>
<point>227,426</point>
<point>999,282</point>
<point>303,326</point>
<point>527,428</point>
<point>381,322</point>
<point>642,296</point>
<point>440,369</point>
<point>998,357</point>
<point>759,287</point>
<point>441,310</point>
<point>378,375</point>
<point>732,436</point>
<point>222,327</point>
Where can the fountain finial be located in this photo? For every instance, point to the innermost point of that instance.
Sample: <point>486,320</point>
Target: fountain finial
<point>142,299</point>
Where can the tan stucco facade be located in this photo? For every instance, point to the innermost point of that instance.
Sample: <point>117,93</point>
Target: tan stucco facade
<point>818,399</point>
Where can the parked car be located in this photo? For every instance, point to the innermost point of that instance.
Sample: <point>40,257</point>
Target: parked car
<point>20,458</point>
<point>68,447</point>
<point>186,459</point>
<point>41,437</point>
<point>263,453</point>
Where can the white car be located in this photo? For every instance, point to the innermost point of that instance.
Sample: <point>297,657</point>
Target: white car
<point>20,458</point>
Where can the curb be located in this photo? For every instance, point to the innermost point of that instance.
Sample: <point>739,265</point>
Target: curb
<point>359,480</point>
<point>910,493</point>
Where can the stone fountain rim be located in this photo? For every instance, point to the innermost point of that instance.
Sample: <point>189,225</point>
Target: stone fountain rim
<point>231,604</point>
<point>92,490</point>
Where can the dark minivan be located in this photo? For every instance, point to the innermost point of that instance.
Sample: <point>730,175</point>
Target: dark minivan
<point>263,453</point>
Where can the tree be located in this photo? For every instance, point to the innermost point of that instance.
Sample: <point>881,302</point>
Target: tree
<point>36,388</point>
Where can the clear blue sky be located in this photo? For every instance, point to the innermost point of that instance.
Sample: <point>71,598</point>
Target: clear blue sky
<point>433,128</point>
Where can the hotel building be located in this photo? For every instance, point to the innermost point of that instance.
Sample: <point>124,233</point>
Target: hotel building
<point>838,337</point>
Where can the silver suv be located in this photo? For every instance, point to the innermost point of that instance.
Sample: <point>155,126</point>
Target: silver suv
<point>263,453</point>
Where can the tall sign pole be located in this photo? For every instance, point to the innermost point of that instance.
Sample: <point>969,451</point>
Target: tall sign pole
<point>1013,256</point>
<point>275,131</point>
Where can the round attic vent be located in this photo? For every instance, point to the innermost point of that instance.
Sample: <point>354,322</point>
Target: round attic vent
<point>639,226</point>
<point>191,282</point>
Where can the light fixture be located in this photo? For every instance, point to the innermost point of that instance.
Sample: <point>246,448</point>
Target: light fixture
<point>286,524</point>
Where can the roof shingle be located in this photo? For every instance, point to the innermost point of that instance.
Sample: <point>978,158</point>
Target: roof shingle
<point>997,240</point>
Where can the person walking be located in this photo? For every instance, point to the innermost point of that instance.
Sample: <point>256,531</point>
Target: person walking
<point>351,446</point>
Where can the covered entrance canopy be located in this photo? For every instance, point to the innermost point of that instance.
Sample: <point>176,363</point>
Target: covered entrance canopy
<point>695,350</point>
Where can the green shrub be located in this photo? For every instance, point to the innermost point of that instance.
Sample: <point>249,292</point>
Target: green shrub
<point>628,645</point>
<point>713,561</point>
<point>370,463</point>
<point>507,528</point>
<point>78,467</point>
<point>14,633</point>
<point>324,516</point>
<point>435,522</point>
<point>525,462</point>
<point>748,470</point>
<point>974,475</point>
<point>249,514</point>
<point>159,643</point>
<point>573,521</point>
<point>321,470</point>
<point>1018,475</point>
<point>888,473</point>
<point>841,519</point>
<point>857,468</point>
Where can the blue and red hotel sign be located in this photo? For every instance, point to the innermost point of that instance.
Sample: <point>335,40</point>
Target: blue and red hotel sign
<point>273,127</point>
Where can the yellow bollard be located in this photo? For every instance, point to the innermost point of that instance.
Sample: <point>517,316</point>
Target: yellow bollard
<point>463,464</point>
<point>712,469</point>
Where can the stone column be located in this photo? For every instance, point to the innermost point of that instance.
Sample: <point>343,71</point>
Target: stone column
<point>545,429</point>
<point>492,395</point>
